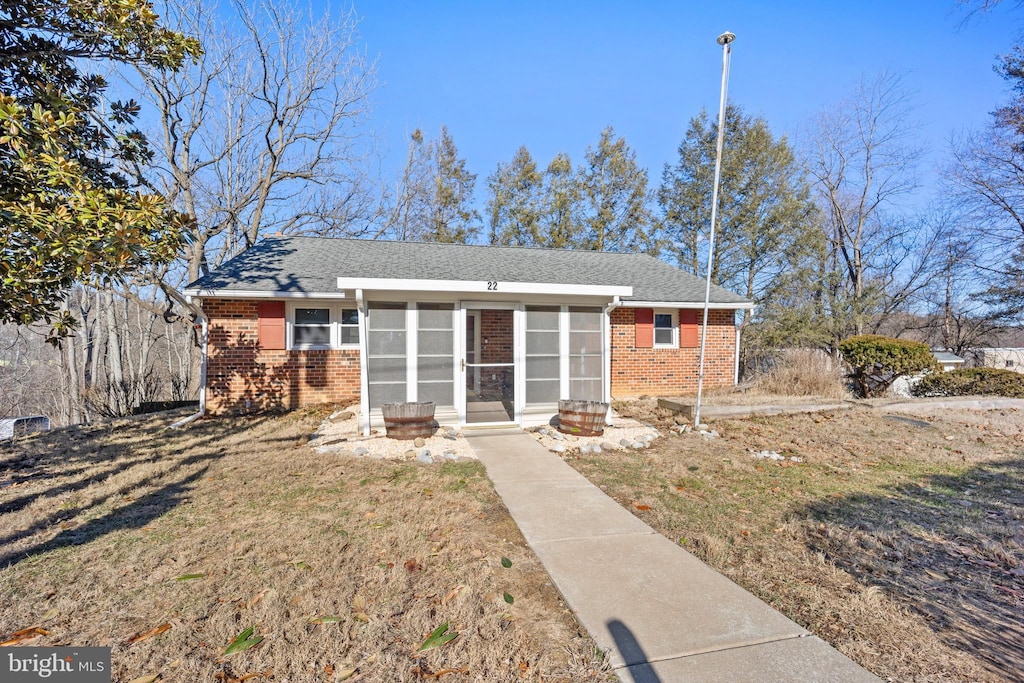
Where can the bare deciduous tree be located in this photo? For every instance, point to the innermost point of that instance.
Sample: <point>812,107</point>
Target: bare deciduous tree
<point>863,161</point>
<point>267,132</point>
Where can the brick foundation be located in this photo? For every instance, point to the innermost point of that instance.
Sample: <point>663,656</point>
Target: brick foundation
<point>242,377</point>
<point>668,372</point>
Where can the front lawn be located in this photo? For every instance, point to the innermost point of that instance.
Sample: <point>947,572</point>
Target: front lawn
<point>899,542</point>
<point>168,545</point>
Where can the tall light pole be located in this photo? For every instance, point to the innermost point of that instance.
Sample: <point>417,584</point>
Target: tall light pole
<point>724,40</point>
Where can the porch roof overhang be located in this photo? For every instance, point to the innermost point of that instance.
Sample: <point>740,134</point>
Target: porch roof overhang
<point>741,305</point>
<point>481,286</point>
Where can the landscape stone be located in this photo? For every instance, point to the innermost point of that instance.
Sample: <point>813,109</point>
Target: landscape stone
<point>424,456</point>
<point>638,445</point>
<point>625,442</point>
<point>341,415</point>
<point>595,448</point>
<point>451,437</point>
<point>410,453</point>
<point>362,450</point>
<point>558,448</point>
<point>557,436</point>
<point>451,455</point>
<point>607,446</point>
<point>420,442</point>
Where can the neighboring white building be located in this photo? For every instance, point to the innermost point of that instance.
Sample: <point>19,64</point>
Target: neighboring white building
<point>949,361</point>
<point>1002,358</point>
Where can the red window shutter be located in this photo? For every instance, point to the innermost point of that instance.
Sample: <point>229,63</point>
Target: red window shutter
<point>271,325</point>
<point>643,322</point>
<point>689,331</point>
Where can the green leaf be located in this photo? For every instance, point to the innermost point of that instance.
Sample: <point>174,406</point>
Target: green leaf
<point>438,637</point>
<point>243,641</point>
<point>509,599</point>
<point>506,563</point>
<point>189,577</point>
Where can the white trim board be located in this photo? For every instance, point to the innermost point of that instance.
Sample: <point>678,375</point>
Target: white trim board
<point>255,294</point>
<point>687,304</point>
<point>482,286</point>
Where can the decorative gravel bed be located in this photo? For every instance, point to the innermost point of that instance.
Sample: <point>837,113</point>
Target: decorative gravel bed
<point>339,434</point>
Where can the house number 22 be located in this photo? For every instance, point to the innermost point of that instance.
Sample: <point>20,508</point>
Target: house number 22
<point>492,286</point>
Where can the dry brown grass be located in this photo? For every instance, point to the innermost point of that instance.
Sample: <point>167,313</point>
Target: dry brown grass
<point>100,525</point>
<point>803,372</point>
<point>902,545</point>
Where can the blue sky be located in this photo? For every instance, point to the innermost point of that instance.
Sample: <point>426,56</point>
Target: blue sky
<point>550,75</point>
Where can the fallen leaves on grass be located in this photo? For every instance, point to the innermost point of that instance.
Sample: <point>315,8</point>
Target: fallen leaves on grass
<point>145,679</point>
<point>451,595</point>
<point>508,598</point>
<point>506,563</point>
<point>227,677</point>
<point>411,565</point>
<point>146,635</point>
<point>257,599</point>
<point>438,637</point>
<point>641,506</point>
<point>421,672</point>
<point>243,641</point>
<point>25,634</point>
<point>189,577</point>
<point>327,619</point>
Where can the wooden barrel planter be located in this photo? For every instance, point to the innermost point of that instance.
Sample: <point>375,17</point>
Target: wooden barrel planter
<point>408,421</point>
<point>581,418</point>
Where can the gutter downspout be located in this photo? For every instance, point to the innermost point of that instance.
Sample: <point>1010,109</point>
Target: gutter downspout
<point>205,322</point>
<point>736,370</point>
<point>364,363</point>
<point>607,352</point>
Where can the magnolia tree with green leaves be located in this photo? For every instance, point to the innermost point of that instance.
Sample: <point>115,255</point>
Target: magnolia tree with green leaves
<point>68,215</point>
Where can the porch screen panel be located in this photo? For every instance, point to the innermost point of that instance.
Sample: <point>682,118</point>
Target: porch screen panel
<point>435,344</point>
<point>585,365</point>
<point>542,355</point>
<point>386,353</point>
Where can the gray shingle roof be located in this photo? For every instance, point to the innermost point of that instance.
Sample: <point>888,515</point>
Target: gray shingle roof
<point>313,264</point>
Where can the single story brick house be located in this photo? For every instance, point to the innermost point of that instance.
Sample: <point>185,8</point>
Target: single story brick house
<point>490,334</point>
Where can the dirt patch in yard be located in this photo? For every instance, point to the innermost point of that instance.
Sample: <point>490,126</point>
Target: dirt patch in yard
<point>168,545</point>
<point>900,543</point>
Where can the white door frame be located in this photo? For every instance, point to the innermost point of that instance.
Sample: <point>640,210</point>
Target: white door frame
<point>518,355</point>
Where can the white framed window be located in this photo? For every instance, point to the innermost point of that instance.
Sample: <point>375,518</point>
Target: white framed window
<point>666,329</point>
<point>315,325</point>
<point>348,327</point>
<point>311,327</point>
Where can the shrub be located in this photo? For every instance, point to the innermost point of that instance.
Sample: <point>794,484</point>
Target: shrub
<point>876,361</point>
<point>972,382</point>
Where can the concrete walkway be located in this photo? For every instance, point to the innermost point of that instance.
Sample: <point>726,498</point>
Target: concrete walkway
<point>662,614</point>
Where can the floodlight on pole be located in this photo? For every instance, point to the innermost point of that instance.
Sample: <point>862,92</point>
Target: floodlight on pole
<point>724,40</point>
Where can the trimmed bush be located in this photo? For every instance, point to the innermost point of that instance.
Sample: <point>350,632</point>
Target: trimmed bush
<point>972,382</point>
<point>876,361</point>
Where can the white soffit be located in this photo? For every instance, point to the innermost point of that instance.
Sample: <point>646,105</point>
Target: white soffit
<point>482,286</point>
<point>687,304</point>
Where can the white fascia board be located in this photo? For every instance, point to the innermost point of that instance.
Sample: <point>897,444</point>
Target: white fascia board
<point>253,294</point>
<point>687,304</point>
<point>482,286</point>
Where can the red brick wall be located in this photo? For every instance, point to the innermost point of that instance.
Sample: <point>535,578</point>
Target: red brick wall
<point>242,377</point>
<point>496,328</point>
<point>666,372</point>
